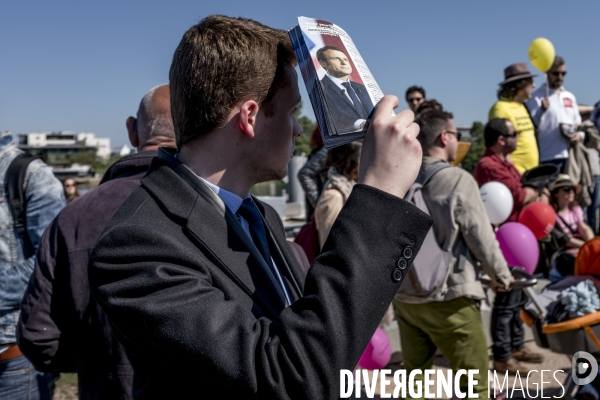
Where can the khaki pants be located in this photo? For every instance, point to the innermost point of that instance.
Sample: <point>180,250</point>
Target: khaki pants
<point>454,327</point>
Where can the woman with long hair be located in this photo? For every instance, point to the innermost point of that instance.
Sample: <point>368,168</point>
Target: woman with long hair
<point>70,188</point>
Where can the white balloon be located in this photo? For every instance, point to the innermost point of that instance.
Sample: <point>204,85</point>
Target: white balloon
<point>497,200</point>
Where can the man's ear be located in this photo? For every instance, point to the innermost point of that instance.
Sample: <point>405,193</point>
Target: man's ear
<point>443,139</point>
<point>323,64</point>
<point>134,138</point>
<point>501,140</point>
<point>247,117</point>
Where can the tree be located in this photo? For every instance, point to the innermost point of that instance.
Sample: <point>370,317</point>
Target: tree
<point>477,147</point>
<point>303,141</point>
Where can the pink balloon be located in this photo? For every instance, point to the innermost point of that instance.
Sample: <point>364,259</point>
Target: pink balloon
<point>378,352</point>
<point>519,246</point>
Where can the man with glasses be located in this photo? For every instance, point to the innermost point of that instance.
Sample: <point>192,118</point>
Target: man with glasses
<point>555,113</point>
<point>415,96</point>
<point>448,318</point>
<point>348,102</point>
<point>514,91</point>
<point>501,138</point>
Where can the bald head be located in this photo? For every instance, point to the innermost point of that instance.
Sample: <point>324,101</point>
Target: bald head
<point>153,126</point>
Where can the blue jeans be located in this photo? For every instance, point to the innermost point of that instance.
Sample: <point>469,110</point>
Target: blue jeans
<point>591,210</point>
<point>20,381</point>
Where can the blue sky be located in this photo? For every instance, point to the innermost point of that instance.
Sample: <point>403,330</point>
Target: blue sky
<point>84,66</point>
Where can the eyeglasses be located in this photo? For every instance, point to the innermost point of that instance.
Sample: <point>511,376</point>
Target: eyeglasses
<point>458,134</point>
<point>415,99</point>
<point>567,189</point>
<point>513,134</point>
<point>557,73</point>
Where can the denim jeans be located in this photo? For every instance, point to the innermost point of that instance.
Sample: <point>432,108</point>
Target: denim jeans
<point>591,210</point>
<point>20,381</point>
<point>506,326</point>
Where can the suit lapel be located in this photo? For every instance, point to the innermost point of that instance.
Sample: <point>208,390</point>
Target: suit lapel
<point>214,229</point>
<point>338,91</point>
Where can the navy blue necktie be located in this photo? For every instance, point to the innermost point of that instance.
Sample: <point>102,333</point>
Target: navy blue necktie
<point>250,213</point>
<point>357,103</point>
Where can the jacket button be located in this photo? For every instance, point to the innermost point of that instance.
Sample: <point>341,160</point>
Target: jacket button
<point>402,263</point>
<point>407,252</point>
<point>397,275</point>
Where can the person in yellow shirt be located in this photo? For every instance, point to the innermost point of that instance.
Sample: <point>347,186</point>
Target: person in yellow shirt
<point>514,91</point>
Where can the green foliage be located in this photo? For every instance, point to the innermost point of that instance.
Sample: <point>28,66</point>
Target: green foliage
<point>303,141</point>
<point>477,147</point>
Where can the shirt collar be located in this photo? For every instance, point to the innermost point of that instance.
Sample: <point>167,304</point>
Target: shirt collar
<point>231,200</point>
<point>494,156</point>
<point>337,81</point>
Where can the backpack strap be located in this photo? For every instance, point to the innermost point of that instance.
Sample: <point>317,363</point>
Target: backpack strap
<point>15,180</point>
<point>425,176</point>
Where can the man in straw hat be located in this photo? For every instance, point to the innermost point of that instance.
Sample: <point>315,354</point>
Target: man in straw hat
<point>517,88</point>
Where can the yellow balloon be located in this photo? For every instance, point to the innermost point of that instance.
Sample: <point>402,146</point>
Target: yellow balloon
<point>541,54</point>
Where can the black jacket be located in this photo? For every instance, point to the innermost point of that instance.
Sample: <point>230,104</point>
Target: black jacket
<point>62,329</point>
<point>180,282</point>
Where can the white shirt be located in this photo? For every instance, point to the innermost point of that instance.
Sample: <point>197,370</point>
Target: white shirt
<point>338,82</point>
<point>234,202</point>
<point>563,110</point>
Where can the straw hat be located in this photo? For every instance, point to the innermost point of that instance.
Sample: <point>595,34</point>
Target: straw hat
<point>565,180</point>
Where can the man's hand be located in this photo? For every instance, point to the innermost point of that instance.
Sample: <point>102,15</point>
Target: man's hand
<point>498,287</point>
<point>391,154</point>
<point>575,138</point>
<point>545,103</point>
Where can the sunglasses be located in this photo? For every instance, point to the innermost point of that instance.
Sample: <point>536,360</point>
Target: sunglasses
<point>458,134</point>
<point>513,134</point>
<point>567,189</point>
<point>557,73</point>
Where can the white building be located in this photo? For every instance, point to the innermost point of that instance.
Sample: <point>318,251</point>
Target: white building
<point>64,143</point>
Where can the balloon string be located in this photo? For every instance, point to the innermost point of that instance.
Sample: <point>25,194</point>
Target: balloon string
<point>547,89</point>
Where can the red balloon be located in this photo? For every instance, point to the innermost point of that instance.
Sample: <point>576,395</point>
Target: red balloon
<point>539,217</point>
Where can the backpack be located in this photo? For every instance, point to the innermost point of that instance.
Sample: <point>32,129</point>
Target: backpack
<point>308,239</point>
<point>15,180</point>
<point>431,265</point>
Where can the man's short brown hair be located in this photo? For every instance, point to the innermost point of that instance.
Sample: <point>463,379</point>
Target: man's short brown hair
<point>220,61</point>
<point>431,124</point>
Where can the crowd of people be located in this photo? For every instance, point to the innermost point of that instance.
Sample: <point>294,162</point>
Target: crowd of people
<point>524,127</point>
<point>171,272</point>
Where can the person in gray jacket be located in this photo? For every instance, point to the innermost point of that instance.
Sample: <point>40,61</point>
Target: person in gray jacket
<point>44,198</point>
<point>449,317</point>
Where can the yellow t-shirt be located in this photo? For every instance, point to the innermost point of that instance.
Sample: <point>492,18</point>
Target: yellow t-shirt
<point>526,156</point>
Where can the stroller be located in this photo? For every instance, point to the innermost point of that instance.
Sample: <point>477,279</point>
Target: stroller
<point>573,335</point>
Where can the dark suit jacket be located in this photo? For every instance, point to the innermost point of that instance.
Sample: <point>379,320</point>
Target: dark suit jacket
<point>180,281</point>
<point>62,329</point>
<point>342,111</point>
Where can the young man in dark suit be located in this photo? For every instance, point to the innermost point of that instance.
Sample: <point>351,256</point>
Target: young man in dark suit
<point>193,272</point>
<point>348,102</point>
